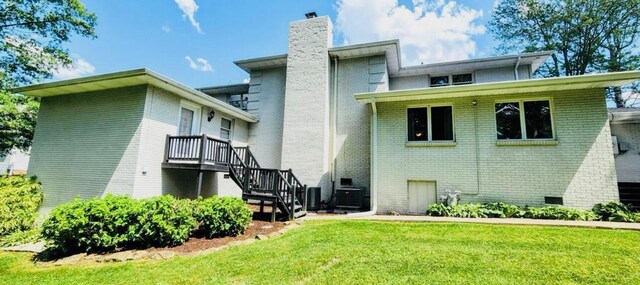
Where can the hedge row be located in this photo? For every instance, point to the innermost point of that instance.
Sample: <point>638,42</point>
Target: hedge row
<point>20,198</point>
<point>612,211</point>
<point>119,222</point>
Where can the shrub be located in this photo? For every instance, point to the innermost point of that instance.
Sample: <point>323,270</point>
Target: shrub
<point>439,210</point>
<point>20,237</point>
<point>558,213</point>
<point>166,221</point>
<point>94,225</point>
<point>503,210</point>
<point>119,222</point>
<point>468,211</point>
<point>20,198</point>
<point>616,212</point>
<point>224,216</point>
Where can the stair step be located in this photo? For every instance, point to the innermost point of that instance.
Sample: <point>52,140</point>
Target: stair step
<point>299,214</point>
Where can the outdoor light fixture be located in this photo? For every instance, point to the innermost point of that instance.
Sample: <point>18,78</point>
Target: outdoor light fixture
<point>311,15</point>
<point>211,115</point>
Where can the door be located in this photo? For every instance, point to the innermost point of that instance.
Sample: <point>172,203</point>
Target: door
<point>186,122</point>
<point>421,195</point>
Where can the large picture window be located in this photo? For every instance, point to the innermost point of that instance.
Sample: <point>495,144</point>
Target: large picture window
<point>534,122</point>
<point>432,123</point>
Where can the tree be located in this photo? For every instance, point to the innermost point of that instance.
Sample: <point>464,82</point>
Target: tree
<point>586,35</point>
<point>32,33</point>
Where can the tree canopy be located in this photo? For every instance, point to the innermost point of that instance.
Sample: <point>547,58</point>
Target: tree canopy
<point>32,34</point>
<point>586,35</point>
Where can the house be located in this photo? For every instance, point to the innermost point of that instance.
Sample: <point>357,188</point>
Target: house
<point>350,117</point>
<point>14,162</point>
<point>625,131</point>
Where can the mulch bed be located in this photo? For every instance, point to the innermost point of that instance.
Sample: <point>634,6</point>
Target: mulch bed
<point>260,225</point>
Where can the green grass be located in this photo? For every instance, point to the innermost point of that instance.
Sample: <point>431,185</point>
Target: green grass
<point>360,252</point>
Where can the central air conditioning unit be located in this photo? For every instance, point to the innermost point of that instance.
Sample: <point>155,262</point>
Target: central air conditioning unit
<point>349,197</point>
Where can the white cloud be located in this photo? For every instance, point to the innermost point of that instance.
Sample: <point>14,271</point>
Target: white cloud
<point>79,68</point>
<point>246,80</point>
<point>189,8</point>
<point>200,64</point>
<point>166,29</point>
<point>430,31</point>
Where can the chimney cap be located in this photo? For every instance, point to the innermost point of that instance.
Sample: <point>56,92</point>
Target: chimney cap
<point>311,14</point>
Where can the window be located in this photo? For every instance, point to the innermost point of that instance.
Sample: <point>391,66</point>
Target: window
<point>439,81</point>
<point>535,120</point>
<point>455,79</point>
<point>225,129</point>
<point>189,118</point>
<point>432,123</point>
<point>459,79</point>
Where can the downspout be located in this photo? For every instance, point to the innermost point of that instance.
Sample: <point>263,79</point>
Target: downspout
<point>477,146</point>
<point>515,70</point>
<point>333,129</point>
<point>374,163</point>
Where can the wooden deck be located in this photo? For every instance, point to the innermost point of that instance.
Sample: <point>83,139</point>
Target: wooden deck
<point>204,153</point>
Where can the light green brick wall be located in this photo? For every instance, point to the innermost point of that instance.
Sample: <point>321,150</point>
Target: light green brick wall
<point>580,168</point>
<point>87,144</point>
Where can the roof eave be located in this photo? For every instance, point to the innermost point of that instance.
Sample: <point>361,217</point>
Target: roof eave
<point>144,76</point>
<point>506,87</point>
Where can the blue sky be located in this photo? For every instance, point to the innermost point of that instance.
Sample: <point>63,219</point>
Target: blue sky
<point>160,35</point>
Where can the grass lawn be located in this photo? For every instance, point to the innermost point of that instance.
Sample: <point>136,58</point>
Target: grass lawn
<point>361,252</point>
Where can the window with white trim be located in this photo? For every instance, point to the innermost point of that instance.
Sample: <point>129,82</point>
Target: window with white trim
<point>514,124</point>
<point>431,123</point>
<point>225,129</point>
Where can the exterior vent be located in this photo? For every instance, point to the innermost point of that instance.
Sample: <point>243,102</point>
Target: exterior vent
<point>349,197</point>
<point>553,200</point>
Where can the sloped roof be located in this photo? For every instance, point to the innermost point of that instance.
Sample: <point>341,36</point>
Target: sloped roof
<point>130,78</point>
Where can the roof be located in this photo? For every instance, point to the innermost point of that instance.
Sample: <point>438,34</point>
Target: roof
<point>130,78</point>
<point>624,115</point>
<point>241,88</point>
<point>505,88</point>
<point>262,62</point>
<point>535,59</point>
<point>391,50</point>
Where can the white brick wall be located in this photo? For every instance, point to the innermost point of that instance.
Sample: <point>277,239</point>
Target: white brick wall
<point>580,168</point>
<point>305,138</point>
<point>265,137</point>
<point>87,144</point>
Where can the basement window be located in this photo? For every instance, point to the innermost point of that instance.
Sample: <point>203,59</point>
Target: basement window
<point>431,123</point>
<point>532,124</point>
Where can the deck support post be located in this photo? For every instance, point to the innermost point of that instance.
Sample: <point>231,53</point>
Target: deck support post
<point>200,174</point>
<point>273,211</point>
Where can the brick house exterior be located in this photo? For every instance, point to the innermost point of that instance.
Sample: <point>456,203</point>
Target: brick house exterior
<point>331,113</point>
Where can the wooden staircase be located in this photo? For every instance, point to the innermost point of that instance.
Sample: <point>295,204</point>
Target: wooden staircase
<point>279,188</point>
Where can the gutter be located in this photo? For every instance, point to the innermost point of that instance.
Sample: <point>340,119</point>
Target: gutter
<point>374,163</point>
<point>515,70</point>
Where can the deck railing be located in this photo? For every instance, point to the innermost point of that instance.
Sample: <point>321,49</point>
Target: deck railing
<point>198,149</point>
